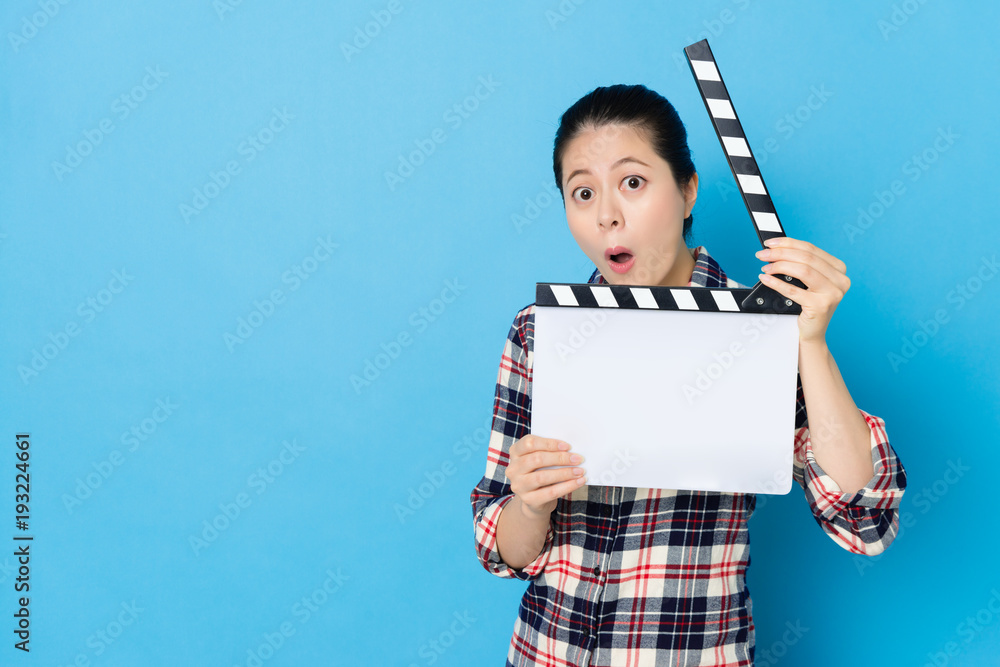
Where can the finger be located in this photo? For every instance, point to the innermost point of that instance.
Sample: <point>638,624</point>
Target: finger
<point>807,258</point>
<point>815,280</point>
<point>532,443</point>
<point>542,478</point>
<point>547,493</point>
<point>533,452</point>
<point>543,459</point>
<point>798,244</point>
<point>807,298</point>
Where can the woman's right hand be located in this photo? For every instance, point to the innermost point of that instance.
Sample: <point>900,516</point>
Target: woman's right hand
<point>539,490</point>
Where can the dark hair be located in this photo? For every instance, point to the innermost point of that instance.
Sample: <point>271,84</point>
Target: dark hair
<point>633,106</point>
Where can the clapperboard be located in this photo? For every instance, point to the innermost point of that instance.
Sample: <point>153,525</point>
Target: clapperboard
<point>669,387</point>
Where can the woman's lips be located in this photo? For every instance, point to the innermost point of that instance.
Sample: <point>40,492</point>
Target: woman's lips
<point>621,266</point>
<point>619,258</point>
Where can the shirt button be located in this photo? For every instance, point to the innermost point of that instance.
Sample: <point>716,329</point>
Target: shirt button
<point>606,510</point>
<point>597,571</point>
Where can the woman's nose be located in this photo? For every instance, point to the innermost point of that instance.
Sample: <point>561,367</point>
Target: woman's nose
<point>608,223</point>
<point>609,215</point>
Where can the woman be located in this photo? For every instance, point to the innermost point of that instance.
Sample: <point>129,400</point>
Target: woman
<point>639,576</point>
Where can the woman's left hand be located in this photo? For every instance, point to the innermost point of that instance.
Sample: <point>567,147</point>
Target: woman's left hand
<point>823,275</point>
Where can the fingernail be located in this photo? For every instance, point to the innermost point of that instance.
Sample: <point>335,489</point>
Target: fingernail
<point>763,254</point>
<point>563,445</point>
<point>575,458</point>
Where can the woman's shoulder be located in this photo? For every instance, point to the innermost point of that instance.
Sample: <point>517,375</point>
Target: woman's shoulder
<point>522,330</point>
<point>525,320</point>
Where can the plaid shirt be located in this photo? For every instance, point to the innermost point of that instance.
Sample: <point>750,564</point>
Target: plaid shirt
<point>638,576</point>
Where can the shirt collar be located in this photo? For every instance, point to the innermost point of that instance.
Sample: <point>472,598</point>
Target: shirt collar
<point>706,273</point>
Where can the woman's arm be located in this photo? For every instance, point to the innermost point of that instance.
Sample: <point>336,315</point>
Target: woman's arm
<point>841,438</point>
<point>490,498</point>
<point>520,535</point>
<point>851,476</point>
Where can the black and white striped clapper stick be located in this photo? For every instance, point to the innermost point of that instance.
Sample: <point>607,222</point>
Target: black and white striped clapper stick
<point>734,141</point>
<point>741,161</point>
<point>641,297</point>
<point>759,298</point>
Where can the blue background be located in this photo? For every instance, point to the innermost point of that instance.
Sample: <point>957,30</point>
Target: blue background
<point>897,74</point>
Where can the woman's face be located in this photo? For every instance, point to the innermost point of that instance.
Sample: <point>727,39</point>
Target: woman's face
<point>624,207</point>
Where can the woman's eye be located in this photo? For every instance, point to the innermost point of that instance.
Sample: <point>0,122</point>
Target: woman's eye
<point>583,194</point>
<point>634,182</point>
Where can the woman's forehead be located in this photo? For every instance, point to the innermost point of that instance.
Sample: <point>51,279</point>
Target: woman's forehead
<point>607,147</point>
<point>593,143</point>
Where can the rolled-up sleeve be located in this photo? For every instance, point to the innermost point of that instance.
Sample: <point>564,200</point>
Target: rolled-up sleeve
<point>867,521</point>
<point>486,543</point>
<point>511,421</point>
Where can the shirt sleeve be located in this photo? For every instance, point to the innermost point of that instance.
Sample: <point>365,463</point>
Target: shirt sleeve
<point>511,421</point>
<point>865,522</point>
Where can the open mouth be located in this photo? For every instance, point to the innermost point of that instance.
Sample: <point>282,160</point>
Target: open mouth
<point>619,258</point>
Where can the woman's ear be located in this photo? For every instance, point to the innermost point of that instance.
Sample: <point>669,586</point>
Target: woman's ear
<point>690,194</point>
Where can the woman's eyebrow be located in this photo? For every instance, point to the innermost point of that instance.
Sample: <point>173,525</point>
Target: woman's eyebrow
<point>614,166</point>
